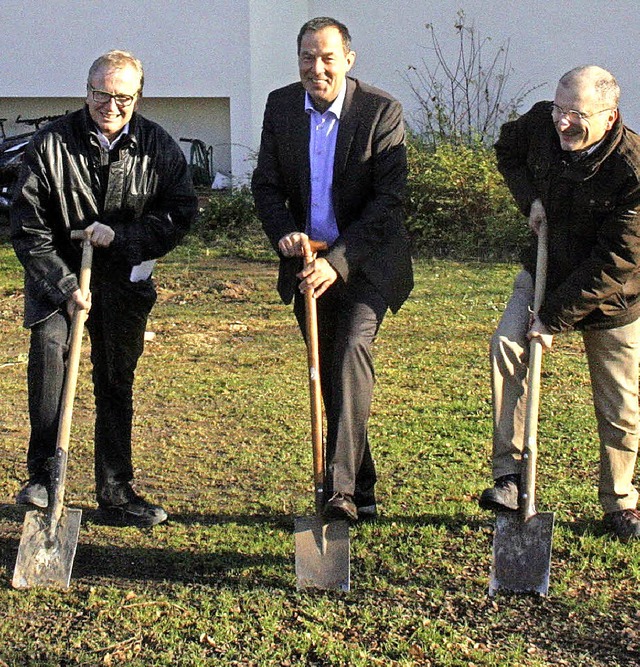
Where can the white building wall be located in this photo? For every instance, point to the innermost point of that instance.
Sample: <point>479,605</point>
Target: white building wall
<point>546,39</point>
<point>190,49</point>
<point>236,51</point>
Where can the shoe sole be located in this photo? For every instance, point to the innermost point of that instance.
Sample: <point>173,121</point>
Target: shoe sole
<point>623,538</point>
<point>118,517</point>
<point>367,513</point>
<point>339,513</point>
<point>493,506</point>
<point>32,502</point>
<point>619,535</point>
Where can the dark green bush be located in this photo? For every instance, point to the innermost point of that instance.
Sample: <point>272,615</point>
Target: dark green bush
<point>229,213</point>
<point>458,204</point>
<point>228,224</point>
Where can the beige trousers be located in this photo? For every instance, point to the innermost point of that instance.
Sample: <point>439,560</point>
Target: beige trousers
<point>613,356</point>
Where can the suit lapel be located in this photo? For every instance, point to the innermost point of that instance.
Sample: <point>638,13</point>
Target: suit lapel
<point>346,131</point>
<point>299,143</point>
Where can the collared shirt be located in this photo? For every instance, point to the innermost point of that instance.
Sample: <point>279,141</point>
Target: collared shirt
<point>579,155</point>
<point>110,145</point>
<point>321,222</point>
<point>106,155</point>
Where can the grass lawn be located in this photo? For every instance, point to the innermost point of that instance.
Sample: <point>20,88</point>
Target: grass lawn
<point>221,439</point>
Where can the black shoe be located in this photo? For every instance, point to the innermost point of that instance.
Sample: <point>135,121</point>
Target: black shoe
<point>503,495</point>
<point>367,513</point>
<point>341,506</point>
<point>367,509</point>
<point>34,492</point>
<point>120,505</point>
<point>366,504</point>
<point>624,524</point>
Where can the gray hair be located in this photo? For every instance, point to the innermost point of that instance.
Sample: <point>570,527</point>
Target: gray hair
<point>604,82</point>
<point>117,60</point>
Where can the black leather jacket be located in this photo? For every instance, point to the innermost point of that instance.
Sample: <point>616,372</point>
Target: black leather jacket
<point>68,181</point>
<point>593,213</point>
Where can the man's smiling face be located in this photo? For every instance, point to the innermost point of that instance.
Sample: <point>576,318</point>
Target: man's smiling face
<point>323,65</point>
<point>109,116</point>
<point>576,133</point>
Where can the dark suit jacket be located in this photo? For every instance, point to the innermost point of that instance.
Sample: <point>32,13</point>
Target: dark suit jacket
<point>369,178</point>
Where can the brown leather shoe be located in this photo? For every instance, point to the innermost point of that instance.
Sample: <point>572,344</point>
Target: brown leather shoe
<point>624,524</point>
<point>341,506</point>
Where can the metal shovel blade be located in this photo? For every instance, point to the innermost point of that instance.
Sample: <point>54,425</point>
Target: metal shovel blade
<point>522,553</point>
<point>45,558</point>
<point>322,554</point>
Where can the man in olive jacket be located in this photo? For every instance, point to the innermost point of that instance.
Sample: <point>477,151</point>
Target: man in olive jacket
<point>106,170</point>
<point>332,167</point>
<point>574,164</point>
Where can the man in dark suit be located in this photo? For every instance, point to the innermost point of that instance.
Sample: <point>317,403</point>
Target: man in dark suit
<point>332,168</point>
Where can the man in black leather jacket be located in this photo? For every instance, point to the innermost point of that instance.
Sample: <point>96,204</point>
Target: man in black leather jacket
<point>125,181</point>
<point>573,164</point>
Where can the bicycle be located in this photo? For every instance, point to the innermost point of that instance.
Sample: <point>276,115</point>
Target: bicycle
<point>200,161</point>
<point>12,153</point>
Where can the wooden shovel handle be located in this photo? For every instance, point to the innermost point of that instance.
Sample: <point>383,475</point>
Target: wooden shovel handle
<point>530,450</point>
<point>315,392</point>
<point>73,360</point>
<point>70,382</point>
<point>87,259</point>
<point>541,266</point>
<point>317,246</point>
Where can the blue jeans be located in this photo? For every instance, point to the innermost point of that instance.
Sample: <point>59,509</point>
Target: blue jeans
<point>116,326</point>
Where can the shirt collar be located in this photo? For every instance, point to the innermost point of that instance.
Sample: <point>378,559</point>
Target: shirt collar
<point>577,156</point>
<point>335,107</point>
<point>111,144</point>
<point>595,146</point>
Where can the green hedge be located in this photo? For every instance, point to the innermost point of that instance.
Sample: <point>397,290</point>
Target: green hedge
<point>228,224</point>
<point>457,206</point>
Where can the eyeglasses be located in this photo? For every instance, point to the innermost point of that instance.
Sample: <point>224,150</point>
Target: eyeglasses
<point>574,116</point>
<point>102,97</point>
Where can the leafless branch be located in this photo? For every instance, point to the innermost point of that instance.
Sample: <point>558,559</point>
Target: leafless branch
<point>462,99</point>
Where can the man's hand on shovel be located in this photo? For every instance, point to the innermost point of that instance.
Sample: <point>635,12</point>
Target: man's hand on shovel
<point>100,235</point>
<point>77,302</point>
<point>538,330</point>
<point>317,275</point>
<point>295,244</point>
<point>537,215</point>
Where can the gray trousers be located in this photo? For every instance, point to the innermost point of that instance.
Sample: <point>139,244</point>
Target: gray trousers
<point>349,317</point>
<point>613,357</point>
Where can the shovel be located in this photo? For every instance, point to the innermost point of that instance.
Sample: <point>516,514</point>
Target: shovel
<point>522,540</point>
<point>49,539</point>
<point>322,548</point>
